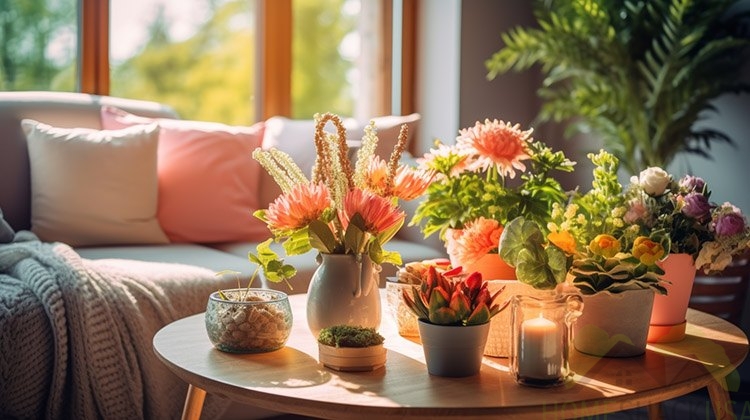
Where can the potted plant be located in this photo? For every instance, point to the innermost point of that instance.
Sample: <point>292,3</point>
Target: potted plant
<point>703,236</point>
<point>476,194</point>
<point>454,318</point>
<point>640,75</point>
<point>347,213</point>
<point>591,249</point>
<point>408,276</point>
<point>351,348</point>
<point>251,320</point>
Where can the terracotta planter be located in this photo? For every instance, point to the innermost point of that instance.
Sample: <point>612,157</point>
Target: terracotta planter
<point>343,291</point>
<point>668,315</point>
<point>491,265</point>
<point>352,359</point>
<point>454,351</point>
<point>614,324</point>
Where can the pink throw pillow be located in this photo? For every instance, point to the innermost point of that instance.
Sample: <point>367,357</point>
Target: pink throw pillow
<point>208,180</point>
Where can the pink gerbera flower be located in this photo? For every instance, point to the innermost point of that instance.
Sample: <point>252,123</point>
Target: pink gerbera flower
<point>479,237</point>
<point>379,213</point>
<point>295,209</point>
<point>497,144</point>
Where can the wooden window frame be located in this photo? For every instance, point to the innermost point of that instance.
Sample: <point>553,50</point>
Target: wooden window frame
<point>274,81</point>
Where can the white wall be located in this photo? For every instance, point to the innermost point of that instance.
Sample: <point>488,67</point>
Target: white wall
<point>439,26</point>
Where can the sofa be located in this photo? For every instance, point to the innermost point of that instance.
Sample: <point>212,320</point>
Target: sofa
<point>148,220</point>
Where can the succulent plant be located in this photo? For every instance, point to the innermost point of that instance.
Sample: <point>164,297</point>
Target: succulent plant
<point>443,298</point>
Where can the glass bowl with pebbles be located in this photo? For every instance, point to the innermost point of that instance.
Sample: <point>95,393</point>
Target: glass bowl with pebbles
<point>248,320</point>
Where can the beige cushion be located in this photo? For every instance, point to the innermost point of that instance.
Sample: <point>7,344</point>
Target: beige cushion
<point>93,187</point>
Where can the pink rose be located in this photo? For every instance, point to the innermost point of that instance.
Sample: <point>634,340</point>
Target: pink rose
<point>729,221</point>
<point>636,211</point>
<point>692,183</point>
<point>696,206</point>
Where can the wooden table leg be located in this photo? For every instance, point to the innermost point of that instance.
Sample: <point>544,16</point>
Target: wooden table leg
<point>655,412</point>
<point>193,403</point>
<point>720,401</point>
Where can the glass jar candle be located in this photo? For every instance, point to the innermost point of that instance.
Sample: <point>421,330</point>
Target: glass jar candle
<point>541,338</point>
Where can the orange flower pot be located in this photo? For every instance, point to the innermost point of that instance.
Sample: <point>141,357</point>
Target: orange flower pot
<point>668,315</point>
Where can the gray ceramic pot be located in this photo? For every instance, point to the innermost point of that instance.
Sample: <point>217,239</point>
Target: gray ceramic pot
<point>454,351</point>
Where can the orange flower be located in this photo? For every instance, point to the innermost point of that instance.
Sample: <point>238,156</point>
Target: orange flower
<point>479,237</point>
<point>497,144</point>
<point>605,245</point>
<point>411,183</point>
<point>563,240</point>
<point>379,213</point>
<point>295,209</point>
<point>647,251</point>
<point>376,176</point>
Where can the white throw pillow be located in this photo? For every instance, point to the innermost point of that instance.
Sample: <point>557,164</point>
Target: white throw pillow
<point>94,187</point>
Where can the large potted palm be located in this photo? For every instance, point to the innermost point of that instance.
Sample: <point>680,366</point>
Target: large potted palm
<point>637,74</point>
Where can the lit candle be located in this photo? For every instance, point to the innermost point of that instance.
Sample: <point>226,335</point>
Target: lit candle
<point>539,349</point>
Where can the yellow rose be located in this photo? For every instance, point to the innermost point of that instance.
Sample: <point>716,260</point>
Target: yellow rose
<point>605,245</point>
<point>647,251</point>
<point>563,240</point>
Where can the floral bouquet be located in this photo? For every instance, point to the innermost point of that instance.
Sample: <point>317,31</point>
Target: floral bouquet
<point>588,241</point>
<point>342,208</point>
<point>711,233</point>
<point>477,192</point>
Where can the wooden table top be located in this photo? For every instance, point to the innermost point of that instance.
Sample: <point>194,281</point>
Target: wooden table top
<point>291,380</point>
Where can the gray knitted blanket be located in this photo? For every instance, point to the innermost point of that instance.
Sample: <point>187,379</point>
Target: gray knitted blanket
<point>76,334</point>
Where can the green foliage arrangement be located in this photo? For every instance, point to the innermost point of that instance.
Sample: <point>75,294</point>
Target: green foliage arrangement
<point>349,336</point>
<point>588,241</point>
<point>468,190</point>
<point>639,74</point>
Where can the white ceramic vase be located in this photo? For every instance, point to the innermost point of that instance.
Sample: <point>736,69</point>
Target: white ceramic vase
<point>344,291</point>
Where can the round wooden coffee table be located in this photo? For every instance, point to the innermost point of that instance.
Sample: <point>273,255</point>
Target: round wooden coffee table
<point>291,380</point>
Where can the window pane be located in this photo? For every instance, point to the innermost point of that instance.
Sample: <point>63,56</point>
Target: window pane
<point>38,45</point>
<point>195,55</point>
<point>329,71</point>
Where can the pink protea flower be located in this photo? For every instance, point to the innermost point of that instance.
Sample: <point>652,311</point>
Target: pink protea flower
<point>479,237</point>
<point>497,144</point>
<point>411,183</point>
<point>379,213</point>
<point>296,208</point>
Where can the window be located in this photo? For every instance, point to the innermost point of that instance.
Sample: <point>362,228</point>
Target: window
<point>234,61</point>
<point>195,55</point>
<point>38,45</point>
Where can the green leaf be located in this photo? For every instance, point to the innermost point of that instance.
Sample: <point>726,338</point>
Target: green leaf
<point>320,237</point>
<point>355,237</point>
<point>520,234</point>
